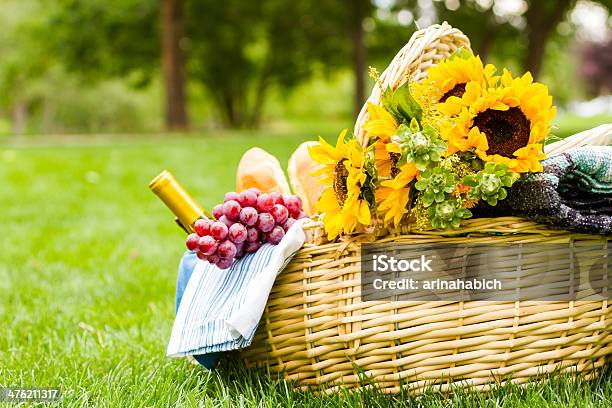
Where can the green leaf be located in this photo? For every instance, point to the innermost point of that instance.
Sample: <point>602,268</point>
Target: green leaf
<point>401,103</point>
<point>429,131</point>
<point>428,198</point>
<point>402,129</point>
<point>507,181</point>
<point>387,100</point>
<point>461,53</point>
<point>469,181</point>
<point>406,105</point>
<point>414,125</point>
<point>434,222</point>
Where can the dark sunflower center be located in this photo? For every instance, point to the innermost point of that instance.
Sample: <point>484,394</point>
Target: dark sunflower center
<point>457,91</point>
<point>394,159</point>
<point>341,174</point>
<point>506,131</point>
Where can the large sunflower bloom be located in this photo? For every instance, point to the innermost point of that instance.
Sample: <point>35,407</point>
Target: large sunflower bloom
<point>506,124</point>
<point>392,196</point>
<point>449,80</point>
<point>343,207</point>
<point>380,126</point>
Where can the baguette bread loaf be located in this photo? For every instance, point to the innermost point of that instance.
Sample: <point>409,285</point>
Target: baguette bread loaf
<point>304,185</point>
<point>259,169</point>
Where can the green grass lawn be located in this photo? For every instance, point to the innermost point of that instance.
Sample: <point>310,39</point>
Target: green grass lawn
<point>568,124</point>
<point>88,264</point>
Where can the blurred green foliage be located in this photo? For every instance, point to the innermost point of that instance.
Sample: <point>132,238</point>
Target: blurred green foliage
<point>94,65</point>
<point>240,50</point>
<point>101,39</point>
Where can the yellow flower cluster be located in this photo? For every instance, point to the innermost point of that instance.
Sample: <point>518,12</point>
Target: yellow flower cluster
<point>498,118</point>
<point>502,124</point>
<point>343,207</point>
<point>382,125</point>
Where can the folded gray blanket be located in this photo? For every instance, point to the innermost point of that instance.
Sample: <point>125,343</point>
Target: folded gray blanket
<point>574,192</point>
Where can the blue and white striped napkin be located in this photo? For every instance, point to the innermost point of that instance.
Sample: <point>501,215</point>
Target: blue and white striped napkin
<point>220,309</point>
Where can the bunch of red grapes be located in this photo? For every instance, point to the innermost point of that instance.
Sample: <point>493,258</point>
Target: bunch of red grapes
<point>242,224</point>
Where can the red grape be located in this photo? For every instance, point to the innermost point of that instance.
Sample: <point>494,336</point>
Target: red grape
<point>232,195</point>
<point>252,235</point>
<point>265,202</point>
<point>239,250</point>
<point>224,263</point>
<point>302,215</point>
<point>226,249</point>
<point>252,247</point>
<point>247,198</point>
<point>192,242</point>
<point>237,233</point>
<point>207,245</point>
<point>243,223</point>
<point>248,216</point>
<point>288,224</point>
<point>294,205</point>
<point>278,198</point>
<point>280,213</point>
<point>217,211</point>
<point>231,209</point>
<point>276,235</point>
<point>265,222</point>
<point>239,245</point>
<point>218,230</point>
<point>202,226</point>
<point>226,221</point>
<point>213,259</point>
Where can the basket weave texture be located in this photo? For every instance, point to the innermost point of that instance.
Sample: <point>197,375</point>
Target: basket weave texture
<point>321,335</point>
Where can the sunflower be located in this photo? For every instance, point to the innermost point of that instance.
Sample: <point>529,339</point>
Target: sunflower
<point>448,81</point>
<point>380,126</point>
<point>342,204</point>
<point>505,125</point>
<point>393,195</point>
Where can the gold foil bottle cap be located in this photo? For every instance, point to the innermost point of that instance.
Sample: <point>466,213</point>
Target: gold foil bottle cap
<point>177,199</point>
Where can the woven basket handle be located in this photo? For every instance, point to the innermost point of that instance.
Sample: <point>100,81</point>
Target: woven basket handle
<point>599,136</point>
<point>426,48</point>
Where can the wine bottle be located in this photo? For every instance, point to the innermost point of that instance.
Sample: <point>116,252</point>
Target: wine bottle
<point>178,200</point>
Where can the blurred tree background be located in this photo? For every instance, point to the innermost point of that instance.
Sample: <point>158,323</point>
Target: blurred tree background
<point>78,66</point>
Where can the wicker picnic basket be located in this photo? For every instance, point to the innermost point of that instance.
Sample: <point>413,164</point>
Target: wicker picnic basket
<point>321,335</point>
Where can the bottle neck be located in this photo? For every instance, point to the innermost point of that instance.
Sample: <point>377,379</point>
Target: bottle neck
<point>177,199</point>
